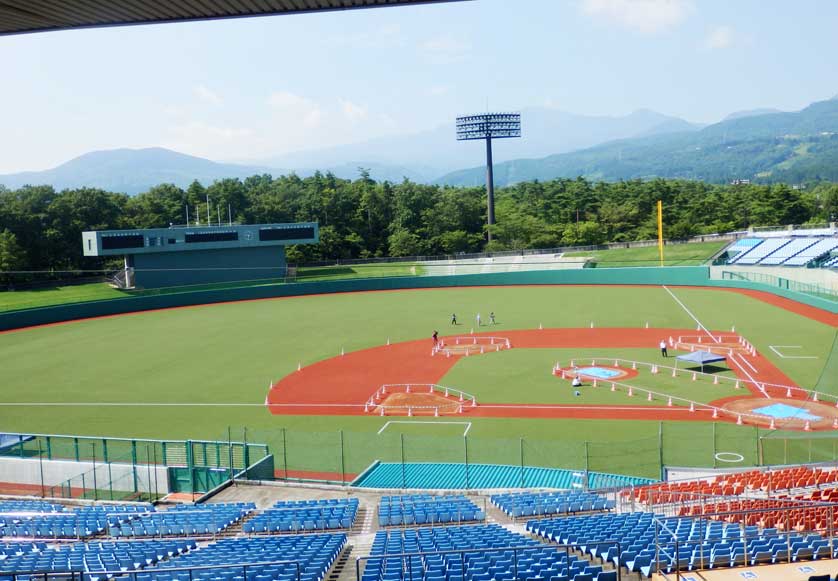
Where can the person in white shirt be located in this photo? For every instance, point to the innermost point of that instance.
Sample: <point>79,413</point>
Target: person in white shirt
<point>663,348</point>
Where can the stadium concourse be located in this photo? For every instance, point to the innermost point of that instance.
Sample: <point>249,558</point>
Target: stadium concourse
<point>759,524</point>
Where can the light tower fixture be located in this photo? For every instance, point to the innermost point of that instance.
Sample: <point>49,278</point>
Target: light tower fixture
<point>489,126</point>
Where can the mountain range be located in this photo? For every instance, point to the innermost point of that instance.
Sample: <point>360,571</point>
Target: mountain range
<point>762,144</point>
<point>789,147</point>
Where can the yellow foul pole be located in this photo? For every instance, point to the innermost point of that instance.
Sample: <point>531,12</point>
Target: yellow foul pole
<point>660,230</point>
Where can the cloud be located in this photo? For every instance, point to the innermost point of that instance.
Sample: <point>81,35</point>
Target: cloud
<point>445,49</point>
<point>353,112</point>
<point>644,16</point>
<point>212,132</point>
<point>719,38</point>
<point>207,95</point>
<point>297,107</point>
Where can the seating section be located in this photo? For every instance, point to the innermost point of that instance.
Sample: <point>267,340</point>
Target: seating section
<point>526,504</point>
<point>760,251</point>
<point>810,253</point>
<point>37,519</point>
<point>831,263</point>
<point>304,515</point>
<point>90,557</point>
<point>798,512</point>
<point>184,520</point>
<point>315,553</point>
<point>793,248</point>
<point>701,544</point>
<point>493,558</point>
<point>785,251</point>
<point>733,484</point>
<point>422,509</point>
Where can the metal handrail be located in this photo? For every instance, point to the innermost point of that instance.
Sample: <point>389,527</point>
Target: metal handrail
<point>47,575</point>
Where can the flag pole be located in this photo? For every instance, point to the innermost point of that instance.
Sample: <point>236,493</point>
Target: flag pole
<point>660,230</point>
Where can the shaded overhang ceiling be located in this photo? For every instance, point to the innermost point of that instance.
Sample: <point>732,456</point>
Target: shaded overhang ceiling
<point>21,16</point>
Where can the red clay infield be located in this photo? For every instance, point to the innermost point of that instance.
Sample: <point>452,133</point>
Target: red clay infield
<point>343,385</point>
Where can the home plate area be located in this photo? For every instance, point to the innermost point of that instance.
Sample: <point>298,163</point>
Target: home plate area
<point>425,399</point>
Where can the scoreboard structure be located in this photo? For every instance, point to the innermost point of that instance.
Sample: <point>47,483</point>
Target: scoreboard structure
<point>179,256</point>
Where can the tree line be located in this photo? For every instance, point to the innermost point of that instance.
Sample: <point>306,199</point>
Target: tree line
<point>40,228</point>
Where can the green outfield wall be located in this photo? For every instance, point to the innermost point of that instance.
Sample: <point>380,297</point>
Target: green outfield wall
<point>674,276</point>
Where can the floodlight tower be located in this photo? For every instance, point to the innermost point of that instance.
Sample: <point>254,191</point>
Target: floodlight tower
<point>488,126</point>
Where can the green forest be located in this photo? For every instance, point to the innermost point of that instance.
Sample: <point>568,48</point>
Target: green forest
<point>40,228</point>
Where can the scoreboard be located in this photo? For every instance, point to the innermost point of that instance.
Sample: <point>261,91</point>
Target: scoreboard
<point>180,256</point>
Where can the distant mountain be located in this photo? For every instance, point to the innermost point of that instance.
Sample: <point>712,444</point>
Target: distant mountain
<point>792,147</point>
<point>130,171</point>
<point>750,113</point>
<point>428,154</point>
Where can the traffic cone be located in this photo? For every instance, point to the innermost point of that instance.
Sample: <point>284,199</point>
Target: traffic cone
<point>692,407</point>
<point>695,377</point>
<point>737,386</point>
<point>788,392</point>
<point>594,383</point>
<point>715,413</point>
<point>634,365</point>
<point>648,396</point>
<point>299,366</point>
<point>669,402</point>
<point>341,351</point>
<point>815,396</point>
<point>408,388</point>
<point>807,427</point>
<point>474,402</point>
<point>835,423</point>
<point>630,392</point>
<point>388,341</point>
<point>715,380</point>
<point>771,426</point>
<point>431,388</point>
<point>381,411</point>
<point>410,412</point>
<point>674,372</point>
<point>593,362</point>
<point>739,420</point>
<point>613,387</point>
<point>647,324</point>
<point>436,412</point>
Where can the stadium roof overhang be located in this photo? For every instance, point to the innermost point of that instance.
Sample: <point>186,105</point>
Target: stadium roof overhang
<point>22,16</point>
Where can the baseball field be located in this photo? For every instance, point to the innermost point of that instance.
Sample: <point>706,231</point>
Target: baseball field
<point>303,375</point>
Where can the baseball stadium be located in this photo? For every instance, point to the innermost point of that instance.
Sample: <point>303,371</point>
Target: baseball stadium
<point>534,415</point>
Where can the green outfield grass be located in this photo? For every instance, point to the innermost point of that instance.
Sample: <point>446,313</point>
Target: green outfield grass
<point>319,273</point>
<point>674,255</point>
<point>57,295</point>
<point>229,353</point>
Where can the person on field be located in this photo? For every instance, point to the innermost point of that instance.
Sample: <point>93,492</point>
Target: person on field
<point>435,338</point>
<point>492,317</point>
<point>453,318</point>
<point>663,348</point>
<point>577,381</point>
<point>478,319</point>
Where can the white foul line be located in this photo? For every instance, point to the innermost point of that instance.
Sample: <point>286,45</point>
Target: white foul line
<point>718,340</point>
<point>694,318</point>
<point>465,433</point>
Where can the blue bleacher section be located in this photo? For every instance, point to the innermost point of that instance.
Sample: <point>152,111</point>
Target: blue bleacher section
<point>492,559</point>
<point>39,519</point>
<point>316,553</point>
<point>782,251</point>
<point>187,520</point>
<point>426,509</point>
<point>304,515</point>
<point>760,251</point>
<point>89,557</point>
<point>455,476</point>
<point>702,544</point>
<point>524,504</point>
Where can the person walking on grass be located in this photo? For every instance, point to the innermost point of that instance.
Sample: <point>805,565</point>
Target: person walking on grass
<point>663,348</point>
<point>453,318</point>
<point>478,319</point>
<point>492,318</point>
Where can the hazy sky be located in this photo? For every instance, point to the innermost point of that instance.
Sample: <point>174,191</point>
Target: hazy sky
<point>252,88</point>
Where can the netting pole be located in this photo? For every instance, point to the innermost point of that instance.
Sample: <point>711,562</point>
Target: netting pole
<point>76,448</point>
<point>465,454</point>
<point>49,447</point>
<point>156,492</point>
<point>246,454</point>
<point>148,472</point>
<point>342,461</point>
<point>134,464</point>
<point>404,479</point>
<point>41,467</point>
<point>110,480</point>
<point>230,452</point>
<point>587,465</point>
<point>760,451</point>
<point>104,450</point>
<point>284,454</point>
<point>660,449</point>
<point>95,485</point>
<point>521,452</point>
<point>714,446</point>
<point>756,443</point>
